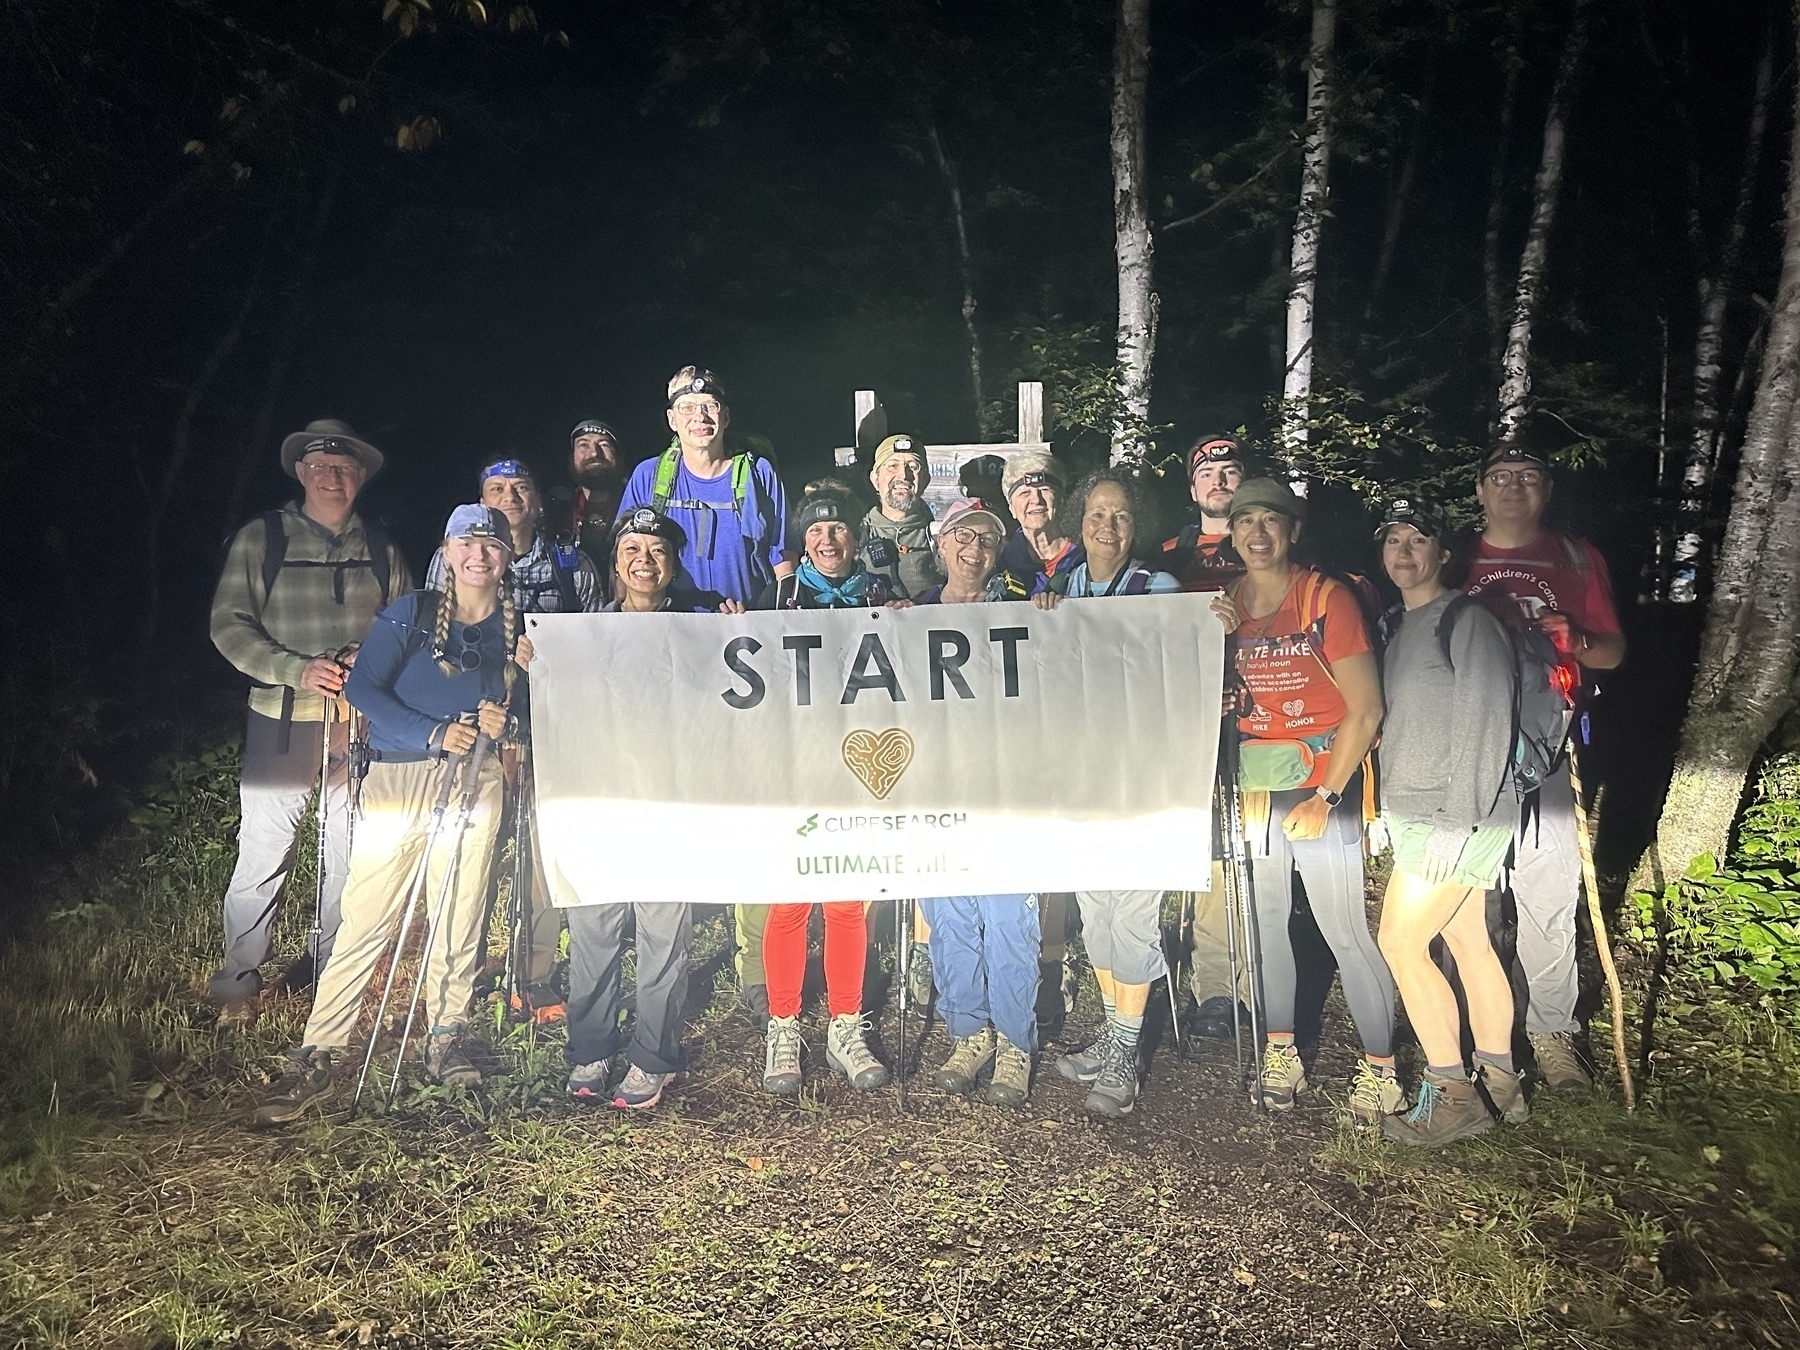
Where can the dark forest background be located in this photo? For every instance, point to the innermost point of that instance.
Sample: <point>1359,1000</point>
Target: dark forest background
<point>464,226</point>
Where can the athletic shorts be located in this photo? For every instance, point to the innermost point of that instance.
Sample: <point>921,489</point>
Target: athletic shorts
<point>1483,853</point>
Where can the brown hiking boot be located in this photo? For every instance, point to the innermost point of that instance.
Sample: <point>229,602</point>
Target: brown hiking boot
<point>1011,1084</point>
<point>1447,1110</point>
<point>1559,1063</point>
<point>1506,1094</point>
<point>969,1055</point>
<point>304,1087</point>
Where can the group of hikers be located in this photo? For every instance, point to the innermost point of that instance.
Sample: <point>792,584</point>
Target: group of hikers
<point>1420,727</point>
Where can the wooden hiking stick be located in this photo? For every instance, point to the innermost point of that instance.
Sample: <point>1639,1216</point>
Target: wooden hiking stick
<point>1585,842</point>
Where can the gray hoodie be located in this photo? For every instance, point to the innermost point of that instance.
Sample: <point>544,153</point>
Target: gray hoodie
<point>910,563</point>
<point>1447,742</point>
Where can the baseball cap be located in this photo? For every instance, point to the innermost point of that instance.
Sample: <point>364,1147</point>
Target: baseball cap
<point>694,380</point>
<point>1516,454</point>
<point>475,521</point>
<point>1268,495</point>
<point>967,511</point>
<point>1421,515</point>
<point>647,520</point>
<point>903,445</point>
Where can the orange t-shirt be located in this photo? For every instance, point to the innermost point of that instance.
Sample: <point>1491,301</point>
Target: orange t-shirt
<point>1285,657</point>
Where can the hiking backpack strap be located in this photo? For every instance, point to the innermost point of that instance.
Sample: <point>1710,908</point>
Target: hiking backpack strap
<point>275,549</point>
<point>663,487</point>
<point>381,554</point>
<point>1138,582</point>
<point>565,564</point>
<point>1446,625</point>
<point>275,546</point>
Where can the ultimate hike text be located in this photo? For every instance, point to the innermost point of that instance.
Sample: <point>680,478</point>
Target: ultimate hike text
<point>946,652</point>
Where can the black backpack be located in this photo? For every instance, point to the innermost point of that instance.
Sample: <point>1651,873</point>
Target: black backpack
<point>1543,693</point>
<point>275,547</point>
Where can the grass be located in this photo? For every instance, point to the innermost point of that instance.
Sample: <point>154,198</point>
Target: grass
<point>137,1211</point>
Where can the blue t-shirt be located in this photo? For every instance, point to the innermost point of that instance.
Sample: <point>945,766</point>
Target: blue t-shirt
<point>398,684</point>
<point>726,552</point>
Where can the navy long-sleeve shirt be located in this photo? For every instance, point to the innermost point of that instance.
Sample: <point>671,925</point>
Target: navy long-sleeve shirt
<point>405,693</point>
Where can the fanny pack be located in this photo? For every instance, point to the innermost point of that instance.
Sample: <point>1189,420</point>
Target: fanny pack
<point>1278,766</point>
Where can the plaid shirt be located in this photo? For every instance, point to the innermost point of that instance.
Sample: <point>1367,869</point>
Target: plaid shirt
<point>316,606</point>
<point>533,578</point>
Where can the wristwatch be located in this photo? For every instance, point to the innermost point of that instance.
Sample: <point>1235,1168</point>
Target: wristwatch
<point>1327,796</point>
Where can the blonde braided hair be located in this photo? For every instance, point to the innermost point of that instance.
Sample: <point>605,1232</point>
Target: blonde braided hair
<point>509,617</point>
<point>440,633</point>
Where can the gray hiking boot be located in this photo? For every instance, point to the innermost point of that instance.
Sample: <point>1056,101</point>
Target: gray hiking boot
<point>587,1082</point>
<point>641,1089</point>
<point>1559,1063</point>
<point>1115,1087</point>
<point>847,1051</point>
<point>1446,1111</point>
<point>1011,1084</point>
<point>1506,1094</point>
<point>1083,1066</point>
<point>969,1055</point>
<point>447,1062</point>
<point>304,1087</point>
<point>1283,1076</point>
<point>781,1057</point>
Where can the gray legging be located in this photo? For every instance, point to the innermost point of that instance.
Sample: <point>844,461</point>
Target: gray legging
<point>1332,868</point>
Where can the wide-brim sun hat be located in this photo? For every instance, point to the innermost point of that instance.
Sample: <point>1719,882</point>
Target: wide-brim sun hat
<point>339,437</point>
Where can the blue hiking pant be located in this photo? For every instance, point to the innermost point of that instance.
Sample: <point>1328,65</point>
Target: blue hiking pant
<point>984,961</point>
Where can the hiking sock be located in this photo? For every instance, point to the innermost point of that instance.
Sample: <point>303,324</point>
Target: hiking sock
<point>1502,1062</point>
<point>1382,1064</point>
<point>1281,1038</point>
<point>1107,1004</point>
<point>1449,1073</point>
<point>1126,1031</point>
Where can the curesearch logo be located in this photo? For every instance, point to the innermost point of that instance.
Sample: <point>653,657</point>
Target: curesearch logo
<point>812,823</point>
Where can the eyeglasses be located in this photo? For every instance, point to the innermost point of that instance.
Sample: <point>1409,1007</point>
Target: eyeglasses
<point>965,535</point>
<point>687,407</point>
<point>1523,477</point>
<point>318,470</point>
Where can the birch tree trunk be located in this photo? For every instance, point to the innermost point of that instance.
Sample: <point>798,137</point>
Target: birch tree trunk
<point>1751,645</point>
<point>1515,365</point>
<point>1709,348</point>
<point>953,182</point>
<point>1309,223</point>
<point>1132,246</point>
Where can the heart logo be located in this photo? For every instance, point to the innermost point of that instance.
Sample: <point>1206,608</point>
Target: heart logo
<point>1294,707</point>
<point>878,758</point>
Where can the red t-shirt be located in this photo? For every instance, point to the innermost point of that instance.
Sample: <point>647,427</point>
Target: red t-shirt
<point>1552,572</point>
<point>1204,567</point>
<point>1285,659</point>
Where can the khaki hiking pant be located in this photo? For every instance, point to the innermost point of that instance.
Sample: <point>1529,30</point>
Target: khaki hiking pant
<point>390,838</point>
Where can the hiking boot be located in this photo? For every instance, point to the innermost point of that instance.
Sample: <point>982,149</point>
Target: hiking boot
<point>1506,1094</point>
<point>1445,1112</point>
<point>969,1055</point>
<point>781,1057</point>
<point>918,976</point>
<point>1216,1019</point>
<point>1083,1066</point>
<point>848,1052</point>
<point>297,978</point>
<point>447,1062</point>
<point>1559,1063</point>
<point>1011,1084</point>
<point>640,1089</point>
<point>587,1082</point>
<point>1115,1087</point>
<point>306,1085</point>
<point>1374,1094</point>
<point>1283,1076</point>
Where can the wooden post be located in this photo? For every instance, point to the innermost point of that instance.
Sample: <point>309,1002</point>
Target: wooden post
<point>1031,412</point>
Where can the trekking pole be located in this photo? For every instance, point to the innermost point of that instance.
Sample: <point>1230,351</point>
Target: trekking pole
<point>1240,894</point>
<point>518,912</point>
<point>465,806</point>
<point>415,887</point>
<point>1584,840</point>
<point>321,860</point>
<point>1233,957</point>
<point>1169,980</point>
<point>902,961</point>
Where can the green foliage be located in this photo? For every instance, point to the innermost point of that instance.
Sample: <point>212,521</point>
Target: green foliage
<point>1740,924</point>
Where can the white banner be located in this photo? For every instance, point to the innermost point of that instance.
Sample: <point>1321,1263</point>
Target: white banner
<point>864,754</point>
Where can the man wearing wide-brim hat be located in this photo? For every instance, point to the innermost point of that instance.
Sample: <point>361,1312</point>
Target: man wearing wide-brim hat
<point>298,590</point>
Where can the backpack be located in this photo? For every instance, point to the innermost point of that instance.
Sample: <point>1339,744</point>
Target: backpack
<point>666,467</point>
<point>1543,693</point>
<point>565,562</point>
<point>275,547</point>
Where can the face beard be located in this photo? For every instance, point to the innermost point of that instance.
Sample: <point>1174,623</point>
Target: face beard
<point>599,478</point>
<point>899,498</point>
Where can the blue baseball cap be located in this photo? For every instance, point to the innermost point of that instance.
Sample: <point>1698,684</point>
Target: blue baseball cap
<point>476,521</point>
